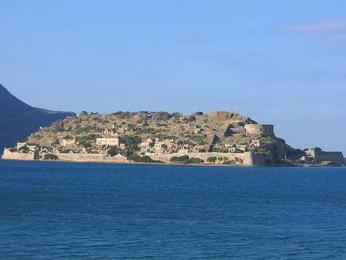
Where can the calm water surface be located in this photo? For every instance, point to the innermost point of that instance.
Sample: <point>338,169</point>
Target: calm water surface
<point>72,211</point>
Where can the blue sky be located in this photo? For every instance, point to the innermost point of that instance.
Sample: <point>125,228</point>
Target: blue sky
<point>280,62</point>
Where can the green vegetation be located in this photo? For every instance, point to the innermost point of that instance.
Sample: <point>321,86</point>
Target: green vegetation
<point>131,144</point>
<point>50,157</point>
<point>212,159</point>
<point>220,150</point>
<point>24,149</point>
<point>195,160</point>
<point>113,151</point>
<point>142,159</point>
<point>58,126</point>
<point>149,130</point>
<point>165,137</point>
<point>191,119</point>
<point>198,139</point>
<point>86,140</point>
<point>88,129</point>
<point>180,159</point>
<point>186,159</point>
<point>65,150</point>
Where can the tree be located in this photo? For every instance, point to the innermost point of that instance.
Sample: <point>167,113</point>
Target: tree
<point>83,113</point>
<point>49,156</point>
<point>212,159</point>
<point>142,159</point>
<point>180,159</point>
<point>113,151</point>
<point>131,144</point>
<point>191,119</point>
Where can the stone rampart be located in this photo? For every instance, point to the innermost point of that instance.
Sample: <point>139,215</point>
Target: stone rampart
<point>9,155</point>
<point>321,156</point>
<point>259,130</point>
<point>75,157</point>
<point>247,158</point>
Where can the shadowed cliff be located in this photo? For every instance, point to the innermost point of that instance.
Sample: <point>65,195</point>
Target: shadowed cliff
<point>18,120</point>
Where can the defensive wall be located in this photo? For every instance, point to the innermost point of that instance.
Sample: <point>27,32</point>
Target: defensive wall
<point>76,157</point>
<point>259,130</point>
<point>247,158</point>
<point>9,155</point>
<point>320,156</point>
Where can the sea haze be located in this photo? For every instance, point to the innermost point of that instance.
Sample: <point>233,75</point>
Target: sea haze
<point>58,210</point>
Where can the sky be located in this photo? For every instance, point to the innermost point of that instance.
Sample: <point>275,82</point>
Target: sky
<point>279,62</point>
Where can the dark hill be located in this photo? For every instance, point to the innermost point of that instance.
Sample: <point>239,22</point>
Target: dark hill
<point>18,120</point>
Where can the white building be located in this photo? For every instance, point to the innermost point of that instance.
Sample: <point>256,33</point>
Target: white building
<point>183,151</point>
<point>20,145</point>
<point>68,142</point>
<point>114,141</point>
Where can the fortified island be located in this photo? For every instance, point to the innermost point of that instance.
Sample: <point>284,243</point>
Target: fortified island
<point>219,138</point>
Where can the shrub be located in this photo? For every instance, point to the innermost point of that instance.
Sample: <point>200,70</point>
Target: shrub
<point>83,113</point>
<point>58,126</point>
<point>55,142</point>
<point>195,160</point>
<point>113,151</point>
<point>65,151</point>
<point>198,114</point>
<point>220,150</point>
<point>86,140</point>
<point>161,116</point>
<point>199,139</point>
<point>50,156</point>
<point>87,129</point>
<point>186,159</point>
<point>131,140</point>
<point>180,159</point>
<point>142,159</point>
<point>24,149</point>
<point>131,144</point>
<point>191,119</point>
<point>212,159</point>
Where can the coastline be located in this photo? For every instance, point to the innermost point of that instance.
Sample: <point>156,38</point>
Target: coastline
<point>178,164</point>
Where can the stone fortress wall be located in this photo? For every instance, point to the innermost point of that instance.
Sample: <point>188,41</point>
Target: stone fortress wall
<point>76,157</point>
<point>321,156</point>
<point>259,130</point>
<point>9,155</point>
<point>247,158</point>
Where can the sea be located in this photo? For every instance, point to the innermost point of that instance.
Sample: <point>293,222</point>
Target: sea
<point>103,211</point>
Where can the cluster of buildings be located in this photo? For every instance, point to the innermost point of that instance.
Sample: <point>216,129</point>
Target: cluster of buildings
<point>156,146</point>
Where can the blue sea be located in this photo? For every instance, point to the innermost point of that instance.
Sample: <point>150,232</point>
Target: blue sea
<point>98,211</point>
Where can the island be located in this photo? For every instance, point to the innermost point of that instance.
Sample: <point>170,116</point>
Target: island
<point>218,138</point>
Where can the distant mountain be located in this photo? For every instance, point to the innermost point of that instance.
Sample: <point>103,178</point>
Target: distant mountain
<point>18,120</point>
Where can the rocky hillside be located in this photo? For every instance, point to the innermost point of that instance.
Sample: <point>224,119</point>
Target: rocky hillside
<point>161,133</point>
<point>18,120</point>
